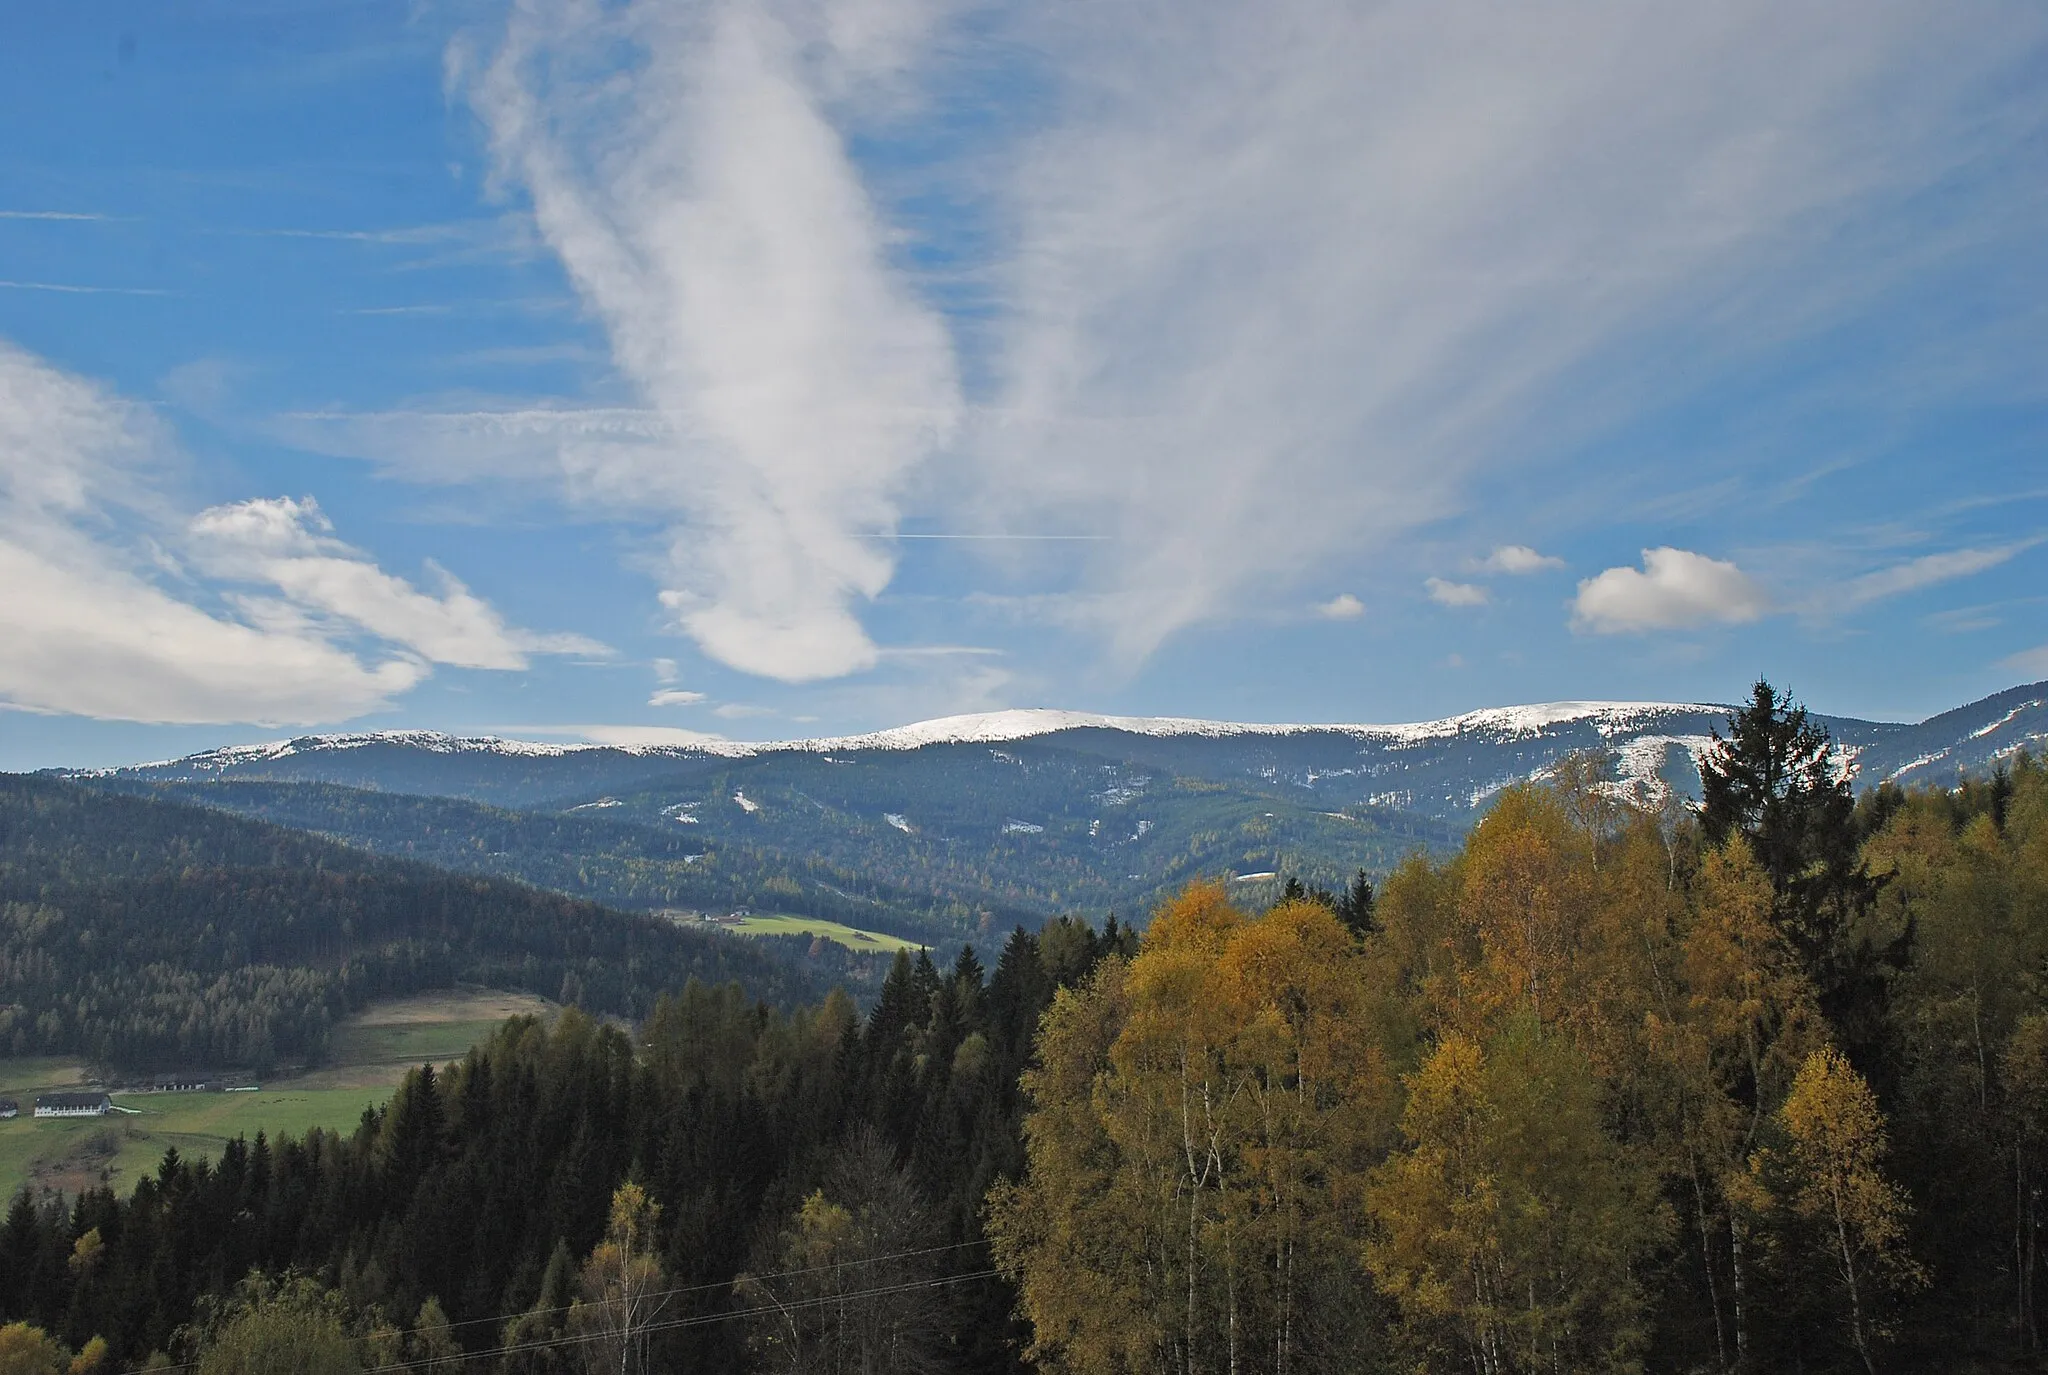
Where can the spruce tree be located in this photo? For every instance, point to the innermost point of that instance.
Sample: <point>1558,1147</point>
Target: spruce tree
<point>1775,780</point>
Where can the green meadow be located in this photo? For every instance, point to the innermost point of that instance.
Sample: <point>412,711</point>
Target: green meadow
<point>865,942</point>
<point>371,1052</point>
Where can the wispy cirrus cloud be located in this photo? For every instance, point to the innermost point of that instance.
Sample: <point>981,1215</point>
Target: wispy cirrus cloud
<point>80,289</point>
<point>707,208</point>
<point>1253,291</point>
<point>1272,306</point>
<point>1915,574</point>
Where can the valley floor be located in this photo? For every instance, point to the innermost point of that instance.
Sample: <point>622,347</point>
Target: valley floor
<point>371,1053</point>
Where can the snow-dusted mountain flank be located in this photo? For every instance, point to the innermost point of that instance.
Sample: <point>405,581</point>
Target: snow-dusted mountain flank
<point>956,829</point>
<point>1444,769</point>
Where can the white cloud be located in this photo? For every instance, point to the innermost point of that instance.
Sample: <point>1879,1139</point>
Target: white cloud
<point>1925,571</point>
<point>1294,278</point>
<point>704,203</point>
<point>290,545</point>
<point>93,640</point>
<point>741,711</point>
<point>1517,560</point>
<point>675,697</point>
<point>1247,289</point>
<point>1673,590</point>
<point>1342,607</point>
<point>90,622</point>
<point>2032,662</point>
<point>1455,593</point>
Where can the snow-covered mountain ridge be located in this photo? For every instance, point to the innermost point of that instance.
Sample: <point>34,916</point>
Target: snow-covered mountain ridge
<point>1446,768</point>
<point>1610,719</point>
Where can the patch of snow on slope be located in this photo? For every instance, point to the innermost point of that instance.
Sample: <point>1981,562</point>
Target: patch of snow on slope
<point>1022,828</point>
<point>2005,752</point>
<point>1921,762</point>
<point>1983,731</point>
<point>747,804</point>
<point>898,820</point>
<point>1643,760</point>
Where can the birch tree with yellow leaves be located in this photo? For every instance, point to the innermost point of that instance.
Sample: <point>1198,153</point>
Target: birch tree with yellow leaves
<point>1203,1117</point>
<point>1830,1171</point>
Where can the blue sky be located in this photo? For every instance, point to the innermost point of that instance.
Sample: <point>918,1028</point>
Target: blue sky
<point>776,368</point>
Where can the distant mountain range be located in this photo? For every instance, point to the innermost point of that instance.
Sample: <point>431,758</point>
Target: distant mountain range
<point>957,829</point>
<point>1444,769</point>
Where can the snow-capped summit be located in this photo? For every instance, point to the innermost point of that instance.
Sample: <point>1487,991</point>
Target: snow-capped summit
<point>1446,768</point>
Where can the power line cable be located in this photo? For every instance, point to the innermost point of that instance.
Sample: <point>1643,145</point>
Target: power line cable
<point>699,1319</point>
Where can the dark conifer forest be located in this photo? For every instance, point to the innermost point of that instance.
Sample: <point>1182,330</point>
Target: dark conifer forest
<point>149,935</point>
<point>1757,1085</point>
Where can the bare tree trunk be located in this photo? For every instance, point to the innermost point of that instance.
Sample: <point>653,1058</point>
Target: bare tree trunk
<point>2023,1319</point>
<point>1855,1297</point>
<point>1741,1296</point>
<point>1699,1195</point>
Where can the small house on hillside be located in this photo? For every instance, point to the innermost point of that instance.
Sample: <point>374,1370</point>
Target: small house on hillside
<point>9,1108</point>
<point>73,1104</point>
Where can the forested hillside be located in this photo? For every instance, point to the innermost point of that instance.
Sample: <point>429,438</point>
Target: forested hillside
<point>1759,1088</point>
<point>597,855</point>
<point>146,934</point>
<point>933,852</point>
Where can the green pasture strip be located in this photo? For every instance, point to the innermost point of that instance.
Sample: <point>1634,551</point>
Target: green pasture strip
<point>128,1144</point>
<point>25,1077</point>
<point>407,1043</point>
<point>198,1124</point>
<point>866,942</point>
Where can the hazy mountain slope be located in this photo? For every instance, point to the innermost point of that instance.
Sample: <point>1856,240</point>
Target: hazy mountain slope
<point>1444,769</point>
<point>942,844</point>
<point>143,931</point>
<point>959,828</point>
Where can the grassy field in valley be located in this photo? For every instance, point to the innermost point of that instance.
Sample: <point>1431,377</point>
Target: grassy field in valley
<point>371,1053</point>
<point>431,1027</point>
<point>865,942</point>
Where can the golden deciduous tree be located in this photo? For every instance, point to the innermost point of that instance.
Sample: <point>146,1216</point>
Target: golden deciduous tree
<point>1526,896</point>
<point>431,1347</point>
<point>1510,1228</point>
<point>623,1290</point>
<point>1203,1116</point>
<point>27,1350</point>
<point>848,1292</point>
<point>1730,1040</point>
<point>282,1329</point>
<point>1832,1169</point>
<point>2025,1073</point>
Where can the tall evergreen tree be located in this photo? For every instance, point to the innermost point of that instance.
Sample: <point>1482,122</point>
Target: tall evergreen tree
<point>1776,780</point>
